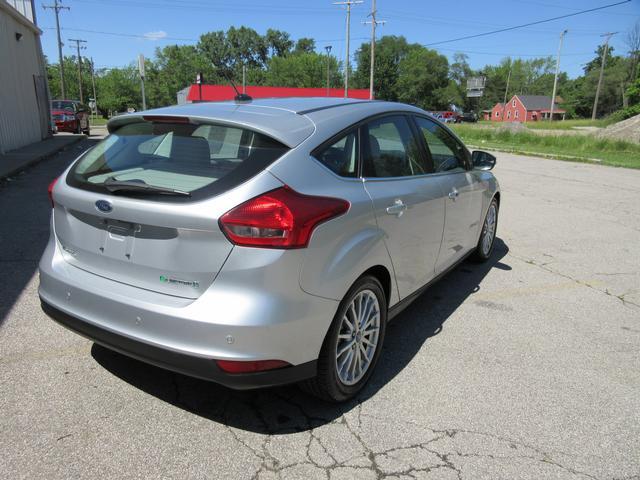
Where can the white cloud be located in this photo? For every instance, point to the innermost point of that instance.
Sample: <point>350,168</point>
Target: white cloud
<point>153,36</point>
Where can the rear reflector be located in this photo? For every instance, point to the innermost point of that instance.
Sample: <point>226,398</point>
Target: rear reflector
<point>281,218</point>
<point>50,190</point>
<point>232,366</point>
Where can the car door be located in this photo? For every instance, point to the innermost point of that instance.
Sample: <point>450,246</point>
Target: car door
<point>408,202</point>
<point>462,192</point>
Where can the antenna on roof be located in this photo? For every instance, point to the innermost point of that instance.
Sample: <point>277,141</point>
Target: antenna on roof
<point>240,97</point>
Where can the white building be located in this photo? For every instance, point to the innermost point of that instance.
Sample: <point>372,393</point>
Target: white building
<point>24,96</point>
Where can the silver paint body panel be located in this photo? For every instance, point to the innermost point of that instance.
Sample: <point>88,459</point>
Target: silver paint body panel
<point>274,304</point>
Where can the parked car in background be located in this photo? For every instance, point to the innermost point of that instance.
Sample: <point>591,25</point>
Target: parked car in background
<point>447,116</point>
<point>263,243</point>
<point>71,116</point>
<point>468,117</point>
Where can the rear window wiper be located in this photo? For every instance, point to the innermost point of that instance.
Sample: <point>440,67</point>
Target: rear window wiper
<point>141,186</point>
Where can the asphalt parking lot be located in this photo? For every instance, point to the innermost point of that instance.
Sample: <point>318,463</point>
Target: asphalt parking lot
<point>527,367</point>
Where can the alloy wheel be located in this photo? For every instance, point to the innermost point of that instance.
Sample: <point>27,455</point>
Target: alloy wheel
<point>489,230</point>
<point>358,337</point>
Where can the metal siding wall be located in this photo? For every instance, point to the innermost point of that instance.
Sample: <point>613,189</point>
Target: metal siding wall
<point>19,62</point>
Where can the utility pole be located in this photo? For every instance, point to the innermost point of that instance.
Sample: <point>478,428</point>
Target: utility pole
<point>504,103</point>
<point>244,78</point>
<point>56,7</point>
<point>348,3</point>
<point>373,23</point>
<point>555,79</point>
<point>141,71</point>
<point>328,49</point>
<point>608,35</point>
<point>78,42</point>
<point>93,84</point>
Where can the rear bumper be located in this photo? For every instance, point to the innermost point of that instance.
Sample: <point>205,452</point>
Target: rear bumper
<point>247,314</point>
<point>200,367</point>
<point>71,126</point>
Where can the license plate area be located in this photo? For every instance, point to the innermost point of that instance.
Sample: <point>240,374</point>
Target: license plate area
<point>119,239</point>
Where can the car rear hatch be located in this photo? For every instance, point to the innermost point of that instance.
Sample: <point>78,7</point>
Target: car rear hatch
<point>142,207</point>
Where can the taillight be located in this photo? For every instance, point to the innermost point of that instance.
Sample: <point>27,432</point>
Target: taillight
<point>50,190</point>
<point>252,366</point>
<point>281,218</point>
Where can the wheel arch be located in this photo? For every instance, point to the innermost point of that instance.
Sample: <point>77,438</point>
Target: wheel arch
<point>382,274</point>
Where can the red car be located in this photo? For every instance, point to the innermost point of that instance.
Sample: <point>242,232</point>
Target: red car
<point>70,116</point>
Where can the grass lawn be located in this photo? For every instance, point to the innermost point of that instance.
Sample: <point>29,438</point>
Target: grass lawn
<point>569,124</point>
<point>99,121</point>
<point>576,148</point>
<point>556,125</point>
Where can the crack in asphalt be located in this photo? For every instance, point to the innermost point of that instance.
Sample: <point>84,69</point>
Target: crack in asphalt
<point>543,266</point>
<point>441,450</point>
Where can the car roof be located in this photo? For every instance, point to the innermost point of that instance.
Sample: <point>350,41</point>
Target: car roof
<point>290,120</point>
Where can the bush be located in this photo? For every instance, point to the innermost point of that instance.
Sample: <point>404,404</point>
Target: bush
<point>624,113</point>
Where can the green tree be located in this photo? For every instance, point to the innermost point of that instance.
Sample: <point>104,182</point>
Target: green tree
<point>305,45</point>
<point>174,68</point>
<point>278,42</point>
<point>72,91</point>
<point>390,50</point>
<point>423,79</point>
<point>119,89</point>
<point>302,70</point>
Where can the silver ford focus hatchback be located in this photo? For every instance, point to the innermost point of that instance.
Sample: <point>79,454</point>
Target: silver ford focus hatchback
<point>265,242</point>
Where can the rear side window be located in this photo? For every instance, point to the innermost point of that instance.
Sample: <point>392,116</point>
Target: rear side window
<point>201,160</point>
<point>342,156</point>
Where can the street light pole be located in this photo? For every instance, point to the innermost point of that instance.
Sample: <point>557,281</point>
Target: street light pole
<point>555,79</point>
<point>328,49</point>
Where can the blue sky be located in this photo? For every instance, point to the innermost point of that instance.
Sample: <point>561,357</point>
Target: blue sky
<point>155,23</point>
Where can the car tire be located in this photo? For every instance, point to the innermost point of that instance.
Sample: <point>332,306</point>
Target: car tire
<point>484,249</point>
<point>335,384</point>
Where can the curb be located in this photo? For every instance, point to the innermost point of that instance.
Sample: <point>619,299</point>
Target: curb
<point>21,164</point>
<point>551,156</point>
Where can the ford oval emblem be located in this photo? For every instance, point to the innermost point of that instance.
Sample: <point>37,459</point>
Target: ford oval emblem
<point>104,206</point>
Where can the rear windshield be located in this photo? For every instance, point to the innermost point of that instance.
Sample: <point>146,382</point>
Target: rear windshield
<point>61,105</point>
<point>201,160</point>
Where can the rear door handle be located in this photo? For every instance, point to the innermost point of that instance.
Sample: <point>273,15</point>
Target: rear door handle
<point>397,208</point>
<point>453,194</point>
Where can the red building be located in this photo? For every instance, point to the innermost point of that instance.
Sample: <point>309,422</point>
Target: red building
<point>214,93</point>
<point>496,112</point>
<point>526,108</point>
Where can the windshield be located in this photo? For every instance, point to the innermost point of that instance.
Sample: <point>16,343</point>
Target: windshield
<point>201,159</point>
<point>61,105</point>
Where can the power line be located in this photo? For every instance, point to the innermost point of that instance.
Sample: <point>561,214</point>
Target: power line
<point>467,37</point>
<point>56,7</point>
<point>118,34</point>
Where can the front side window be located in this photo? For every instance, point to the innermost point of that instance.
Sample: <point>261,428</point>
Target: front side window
<point>196,160</point>
<point>446,152</point>
<point>342,156</point>
<point>392,150</point>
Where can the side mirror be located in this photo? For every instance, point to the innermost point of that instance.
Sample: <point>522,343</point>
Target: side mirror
<point>482,160</point>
